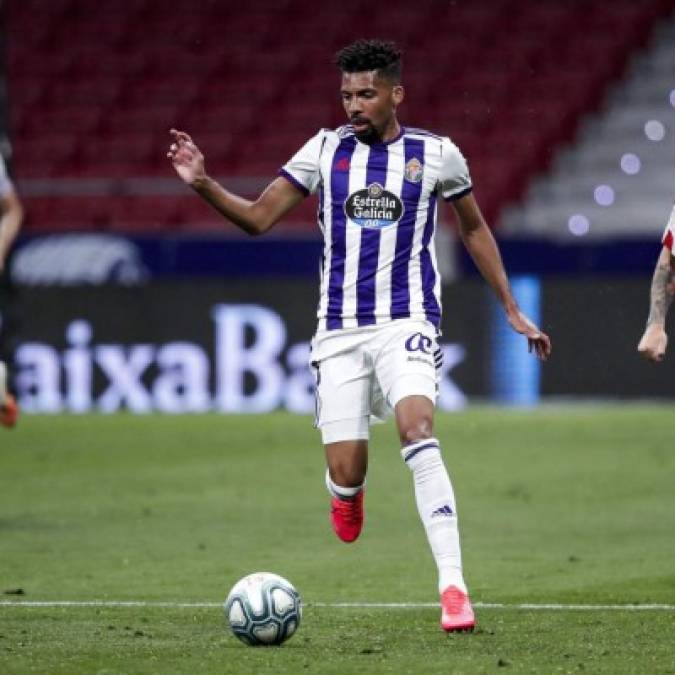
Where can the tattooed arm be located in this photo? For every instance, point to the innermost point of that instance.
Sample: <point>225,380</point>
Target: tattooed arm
<point>654,341</point>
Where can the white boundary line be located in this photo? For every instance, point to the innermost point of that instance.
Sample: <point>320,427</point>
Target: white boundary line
<point>560,607</point>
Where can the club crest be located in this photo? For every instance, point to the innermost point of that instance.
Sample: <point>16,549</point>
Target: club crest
<point>413,170</point>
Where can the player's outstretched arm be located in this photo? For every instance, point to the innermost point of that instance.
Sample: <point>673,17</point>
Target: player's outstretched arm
<point>254,217</point>
<point>655,340</point>
<point>483,249</point>
<point>10,224</point>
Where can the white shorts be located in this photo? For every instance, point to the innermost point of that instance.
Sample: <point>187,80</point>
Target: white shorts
<point>362,373</point>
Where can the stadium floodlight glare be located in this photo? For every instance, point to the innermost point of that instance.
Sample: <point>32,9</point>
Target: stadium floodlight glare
<point>630,164</point>
<point>79,333</point>
<point>578,225</point>
<point>604,195</point>
<point>654,130</point>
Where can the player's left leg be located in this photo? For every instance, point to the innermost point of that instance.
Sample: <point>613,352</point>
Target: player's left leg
<point>436,505</point>
<point>407,371</point>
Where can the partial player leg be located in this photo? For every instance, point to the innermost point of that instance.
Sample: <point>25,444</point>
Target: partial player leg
<point>436,505</point>
<point>9,410</point>
<point>345,479</point>
<point>344,376</point>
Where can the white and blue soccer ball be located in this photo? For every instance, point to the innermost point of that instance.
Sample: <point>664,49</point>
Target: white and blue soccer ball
<point>263,609</point>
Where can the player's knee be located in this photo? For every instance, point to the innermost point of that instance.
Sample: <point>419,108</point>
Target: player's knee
<point>417,430</point>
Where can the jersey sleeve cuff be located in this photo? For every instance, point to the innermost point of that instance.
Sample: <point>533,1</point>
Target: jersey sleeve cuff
<point>294,181</point>
<point>458,195</point>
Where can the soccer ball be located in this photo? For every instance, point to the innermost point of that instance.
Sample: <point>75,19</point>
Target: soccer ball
<point>263,609</point>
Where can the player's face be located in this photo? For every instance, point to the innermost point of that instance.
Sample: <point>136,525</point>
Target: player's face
<point>370,103</point>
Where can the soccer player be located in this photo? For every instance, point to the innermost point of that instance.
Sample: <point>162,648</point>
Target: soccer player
<point>655,340</point>
<point>376,346</point>
<point>10,223</point>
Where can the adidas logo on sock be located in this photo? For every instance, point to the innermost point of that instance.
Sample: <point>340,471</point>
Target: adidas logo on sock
<point>443,511</point>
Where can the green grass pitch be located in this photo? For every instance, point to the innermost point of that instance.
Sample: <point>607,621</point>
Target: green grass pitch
<point>571,505</point>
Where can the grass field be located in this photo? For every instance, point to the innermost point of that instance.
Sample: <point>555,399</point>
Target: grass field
<point>563,505</point>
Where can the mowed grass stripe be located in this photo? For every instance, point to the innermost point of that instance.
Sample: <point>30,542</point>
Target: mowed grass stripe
<point>337,605</point>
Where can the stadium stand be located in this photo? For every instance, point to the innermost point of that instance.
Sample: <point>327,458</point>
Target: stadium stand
<point>95,85</point>
<point>618,179</point>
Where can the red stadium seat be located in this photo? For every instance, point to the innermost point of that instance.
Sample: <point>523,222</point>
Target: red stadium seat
<point>65,214</point>
<point>68,119</point>
<point>34,153</point>
<point>88,92</point>
<point>93,94</point>
<point>155,120</point>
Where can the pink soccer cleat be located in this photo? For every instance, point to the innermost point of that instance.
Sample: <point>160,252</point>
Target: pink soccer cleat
<point>346,515</point>
<point>456,612</point>
<point>9,412</point>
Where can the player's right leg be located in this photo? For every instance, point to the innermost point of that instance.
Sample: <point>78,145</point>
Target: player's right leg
<point>9,410</point>
<point>343,392</point>
<point>345,479</point>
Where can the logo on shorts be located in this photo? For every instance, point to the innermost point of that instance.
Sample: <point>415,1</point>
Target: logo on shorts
<point>413,170</point>
<point>374,207</point>
<point>418,342</point>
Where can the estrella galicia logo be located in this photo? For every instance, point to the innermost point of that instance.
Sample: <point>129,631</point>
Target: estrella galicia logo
<point>418,342</point>
<point>374,207</point>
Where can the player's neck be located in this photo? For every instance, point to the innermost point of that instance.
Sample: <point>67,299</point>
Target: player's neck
<point>392,131</point>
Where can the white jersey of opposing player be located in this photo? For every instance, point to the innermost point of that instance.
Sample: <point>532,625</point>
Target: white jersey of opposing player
<point>669,235</point>
<point>5,183</point>
<point>377,213</point>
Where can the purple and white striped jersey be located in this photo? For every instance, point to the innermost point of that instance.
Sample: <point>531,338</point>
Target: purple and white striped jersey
<point>377,213</point>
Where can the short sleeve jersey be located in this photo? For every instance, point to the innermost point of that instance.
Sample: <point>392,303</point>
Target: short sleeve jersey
<point>669,235</point>
<point>377,213</point>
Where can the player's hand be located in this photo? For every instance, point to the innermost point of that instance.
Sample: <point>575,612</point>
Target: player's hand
<point>186,158</point>
<point>653,343</point>
<point>537,341</point>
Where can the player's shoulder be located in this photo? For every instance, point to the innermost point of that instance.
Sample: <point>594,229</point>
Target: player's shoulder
<point>423,133</point>
<point>442,145</point>
<point>342,132</point>
<point>324,134</point>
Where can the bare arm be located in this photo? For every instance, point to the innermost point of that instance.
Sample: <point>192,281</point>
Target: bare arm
<point>10,224</point>
<point>655,340</point>
<point>253,217</point>
<point>482,247</point>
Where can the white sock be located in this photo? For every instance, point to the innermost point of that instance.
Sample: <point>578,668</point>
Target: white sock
<point>342,492</point>
<point>436,505</point>
<point>3,382</point>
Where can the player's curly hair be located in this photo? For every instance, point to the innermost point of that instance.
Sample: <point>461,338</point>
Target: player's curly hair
<point>364,55</point>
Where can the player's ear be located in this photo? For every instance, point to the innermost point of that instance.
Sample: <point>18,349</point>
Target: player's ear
<point>397,94</point>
